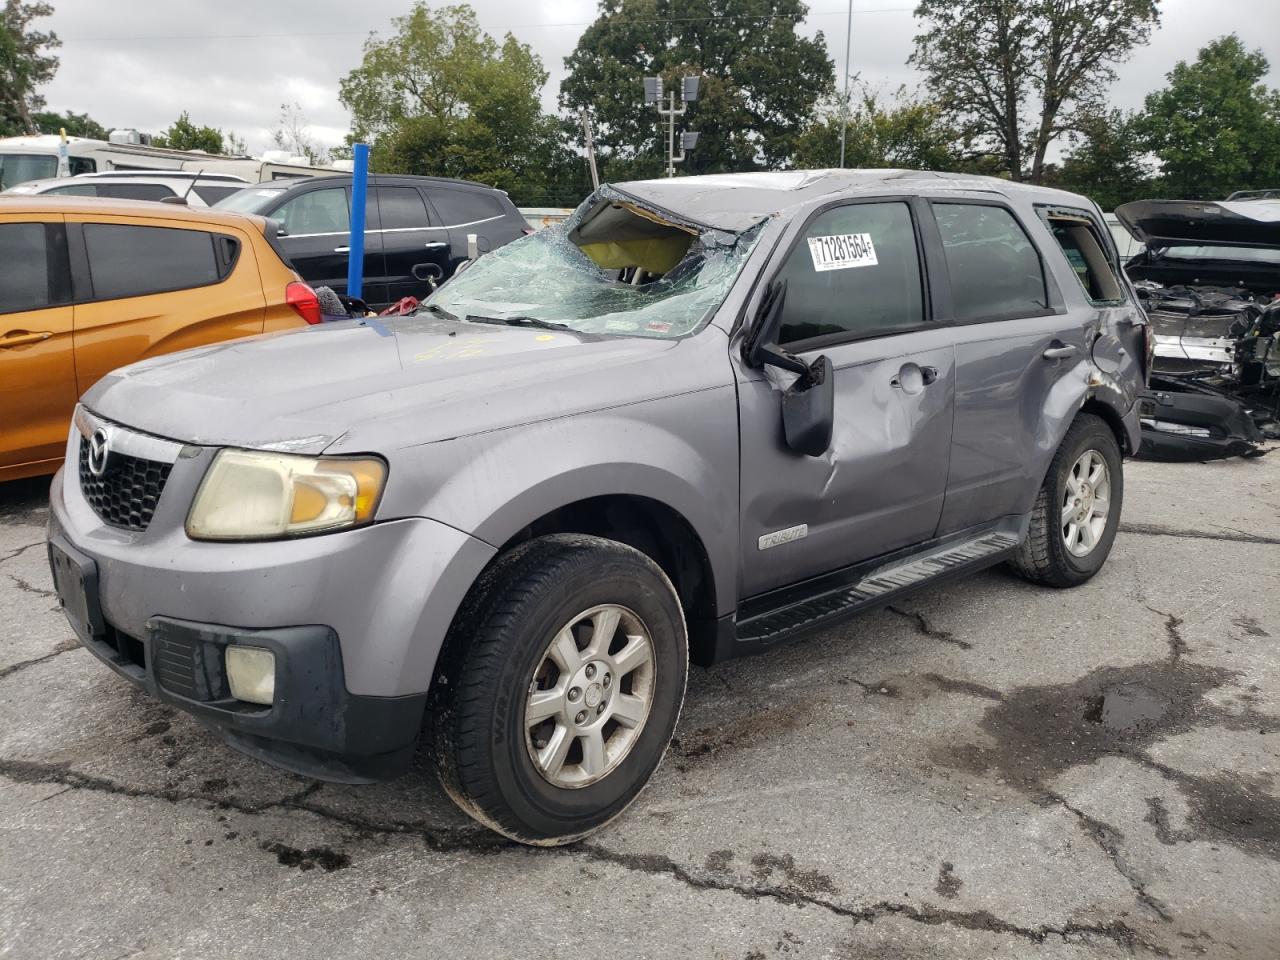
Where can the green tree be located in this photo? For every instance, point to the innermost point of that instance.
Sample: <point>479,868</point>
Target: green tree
<point>906,131</point>
<point>76,124</point>
<point>185,135</point>
<point>1018,74</point>
<point>442,97</point>
<point>761,81</point>
<point>1107,160</point>
<point>25,63</point>
<point>1216,128</point>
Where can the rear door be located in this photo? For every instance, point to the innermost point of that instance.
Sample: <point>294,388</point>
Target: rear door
<point>1016,345</point>
<point>148,287</point>
<point>37,368</point>
<point>412,244</point>
<point>880,486</point>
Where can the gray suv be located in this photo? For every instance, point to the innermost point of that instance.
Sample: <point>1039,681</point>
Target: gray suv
<point>702,416</point>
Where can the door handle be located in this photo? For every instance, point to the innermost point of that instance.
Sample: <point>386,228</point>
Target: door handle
<point>911,379</point>
<point>20,339</point>
<point>435,245</point>
<point>341,249</point>
<point>1060,352</point>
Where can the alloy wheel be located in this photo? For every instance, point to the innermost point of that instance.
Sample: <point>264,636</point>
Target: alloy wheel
<point>589,696</point>
<point>1086,503</point>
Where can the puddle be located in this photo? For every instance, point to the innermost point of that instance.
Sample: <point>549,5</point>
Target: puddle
<point>1037,732</point>
<point>1125,708</point>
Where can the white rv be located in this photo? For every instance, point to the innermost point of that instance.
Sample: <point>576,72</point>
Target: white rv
<point>36,158</point>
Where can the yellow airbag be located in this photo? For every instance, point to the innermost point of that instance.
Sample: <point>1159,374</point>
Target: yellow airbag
<point>653,254</point>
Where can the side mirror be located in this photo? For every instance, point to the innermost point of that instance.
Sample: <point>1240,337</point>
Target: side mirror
<point>279,227</point>
<point>809,409</point>
<point>808,405</point>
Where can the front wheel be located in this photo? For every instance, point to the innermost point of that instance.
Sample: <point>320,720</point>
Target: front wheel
<point>1077,510</point>
<point>563,679</point>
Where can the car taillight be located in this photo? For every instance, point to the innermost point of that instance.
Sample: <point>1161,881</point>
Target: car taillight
<point>304,301</point>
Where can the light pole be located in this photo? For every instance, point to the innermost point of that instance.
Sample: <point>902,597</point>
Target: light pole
<point>688,94</point>
<point>844,111</point>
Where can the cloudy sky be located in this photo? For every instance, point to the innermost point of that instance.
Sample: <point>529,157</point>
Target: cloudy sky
<point>140,62</point>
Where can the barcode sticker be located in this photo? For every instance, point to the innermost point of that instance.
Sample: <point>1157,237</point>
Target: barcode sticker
<point>842,251</point>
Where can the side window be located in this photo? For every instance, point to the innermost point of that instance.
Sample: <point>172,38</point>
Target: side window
<point>994,268</point>
<point>856,271</point>
<point>1079,242</point>
<point>135,191</point>
<point>81,165</point>
<point>458,207</point>
<point>317,211</point>
<point>127,261</point>
<point>75,190</point>
<point>25,287</point>
<point>402,208</point>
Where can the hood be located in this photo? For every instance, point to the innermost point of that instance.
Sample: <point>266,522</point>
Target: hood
<point>377,385</point>
<point>1162,223</point>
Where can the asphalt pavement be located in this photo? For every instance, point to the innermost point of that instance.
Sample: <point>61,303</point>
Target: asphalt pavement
<point>984,770</point>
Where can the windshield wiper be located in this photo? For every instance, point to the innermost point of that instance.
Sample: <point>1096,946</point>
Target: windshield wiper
<point>438,310</point>
<point>519,322</point>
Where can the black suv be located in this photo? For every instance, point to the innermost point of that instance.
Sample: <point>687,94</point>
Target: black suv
<point>416,227</point>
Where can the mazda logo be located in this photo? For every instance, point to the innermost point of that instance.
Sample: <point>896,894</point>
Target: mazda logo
<point>99,452</point>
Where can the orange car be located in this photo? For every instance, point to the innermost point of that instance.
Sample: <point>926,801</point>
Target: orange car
<point>88,285</point>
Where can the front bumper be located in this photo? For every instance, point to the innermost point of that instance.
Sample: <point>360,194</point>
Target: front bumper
<point>356,620</point>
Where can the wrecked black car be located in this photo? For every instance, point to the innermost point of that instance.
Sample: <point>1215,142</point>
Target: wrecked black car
<point>1209,279</point>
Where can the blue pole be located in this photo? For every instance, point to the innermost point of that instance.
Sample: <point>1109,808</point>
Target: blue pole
<point>359,188</point>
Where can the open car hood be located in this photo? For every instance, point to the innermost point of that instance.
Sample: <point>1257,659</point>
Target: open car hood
<point>1243,223</point>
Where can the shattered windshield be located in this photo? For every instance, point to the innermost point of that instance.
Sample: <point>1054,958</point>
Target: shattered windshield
<point>546,277</point>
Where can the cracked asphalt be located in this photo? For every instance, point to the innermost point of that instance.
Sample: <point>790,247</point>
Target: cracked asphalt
<point>984,769</point>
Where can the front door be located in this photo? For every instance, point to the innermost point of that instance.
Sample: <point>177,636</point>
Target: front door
<point>317,240</point>
<point>856,292</point>
<point>37,369</point>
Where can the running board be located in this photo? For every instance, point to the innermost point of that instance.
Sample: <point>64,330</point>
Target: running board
<point>793,613</point>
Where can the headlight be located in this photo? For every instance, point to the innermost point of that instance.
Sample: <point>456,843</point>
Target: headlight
<point>250,495</point>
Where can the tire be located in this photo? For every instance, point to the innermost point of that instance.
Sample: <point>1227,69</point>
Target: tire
<point>502,649</point>
<point>1044,556</point>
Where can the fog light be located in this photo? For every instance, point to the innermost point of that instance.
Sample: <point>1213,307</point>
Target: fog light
<point>252,673</point>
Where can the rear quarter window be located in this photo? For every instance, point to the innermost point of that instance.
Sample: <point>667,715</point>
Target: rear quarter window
<point>460,207</point>
<point>133,261</point>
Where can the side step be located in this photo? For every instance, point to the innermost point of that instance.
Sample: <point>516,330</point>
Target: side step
<point>868,588</point>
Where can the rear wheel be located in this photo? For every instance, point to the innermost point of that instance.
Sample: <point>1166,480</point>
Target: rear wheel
<point>1077,510</point>
<point>562,682</point>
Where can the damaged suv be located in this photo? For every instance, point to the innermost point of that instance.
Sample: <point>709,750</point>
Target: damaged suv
<point>1209,278</point>
<point>702,416</point>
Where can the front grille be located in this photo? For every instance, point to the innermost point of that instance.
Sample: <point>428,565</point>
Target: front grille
<point>127,492</point>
